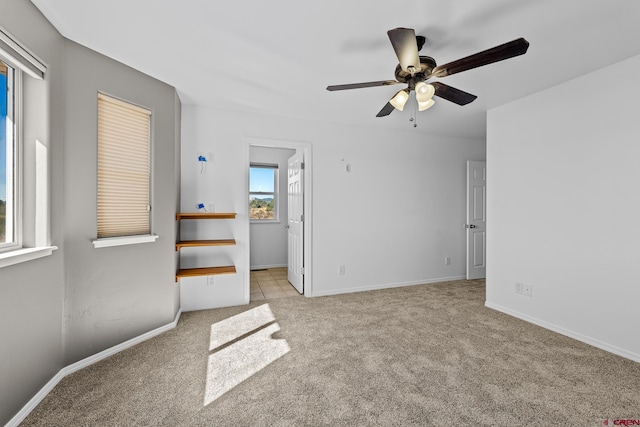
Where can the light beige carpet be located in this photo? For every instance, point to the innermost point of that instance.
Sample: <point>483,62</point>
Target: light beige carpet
<point>421,355</point>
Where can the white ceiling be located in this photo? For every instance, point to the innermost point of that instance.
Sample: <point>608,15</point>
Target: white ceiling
<point>278,56</point>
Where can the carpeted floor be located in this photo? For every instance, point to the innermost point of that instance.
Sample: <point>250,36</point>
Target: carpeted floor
<point>420,355</point>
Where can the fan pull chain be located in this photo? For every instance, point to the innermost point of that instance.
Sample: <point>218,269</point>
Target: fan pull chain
<point>414,114</point>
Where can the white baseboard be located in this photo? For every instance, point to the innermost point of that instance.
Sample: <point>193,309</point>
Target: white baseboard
<point>385,286</point>
<point>264,267</point>
<point>67,370</point>
<point>571,334</point>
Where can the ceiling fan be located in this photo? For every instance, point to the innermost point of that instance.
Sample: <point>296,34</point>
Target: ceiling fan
<point>414,70</point>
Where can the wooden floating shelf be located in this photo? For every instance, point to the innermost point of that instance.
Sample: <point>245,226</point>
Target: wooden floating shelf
<point>200,243</point>
<point>206,271</point>
<point>205,215</point>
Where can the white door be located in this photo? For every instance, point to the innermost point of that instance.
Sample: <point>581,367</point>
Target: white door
<point>295,225</point>
<point>476,219</point>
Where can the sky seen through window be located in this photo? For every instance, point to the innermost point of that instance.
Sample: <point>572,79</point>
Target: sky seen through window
<point>261,180</point>
<point>3,137</point>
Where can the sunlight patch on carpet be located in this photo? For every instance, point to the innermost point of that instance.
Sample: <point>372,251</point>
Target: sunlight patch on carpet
<point>251,349</point>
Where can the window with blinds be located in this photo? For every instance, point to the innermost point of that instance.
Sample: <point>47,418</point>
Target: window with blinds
<point>124,168</point>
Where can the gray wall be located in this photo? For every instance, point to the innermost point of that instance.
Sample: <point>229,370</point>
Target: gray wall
<point>31,293</point>
<point>113,294</point>
<point>176,182</point>
<point>269,239</point>
<point>59,309</point>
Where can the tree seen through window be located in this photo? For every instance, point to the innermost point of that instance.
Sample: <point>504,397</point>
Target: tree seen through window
<point>263,192</point>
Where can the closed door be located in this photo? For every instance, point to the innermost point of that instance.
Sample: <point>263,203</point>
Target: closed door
<point>476,219</point>
<point>295,223</point>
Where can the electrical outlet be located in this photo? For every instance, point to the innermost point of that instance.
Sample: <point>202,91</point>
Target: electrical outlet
<point>527,290</point>
<point>211,207</point>
<point>211,280</point>
<point>519,288</point>
<point>342,270</point>
<point>209,157</point>
<point>447,260</point>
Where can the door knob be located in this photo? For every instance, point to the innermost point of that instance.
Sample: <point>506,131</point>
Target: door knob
<point>286,226</point>
<point>470,226</point>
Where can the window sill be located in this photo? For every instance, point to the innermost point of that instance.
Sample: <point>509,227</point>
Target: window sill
<point>265,221</point>
<point>121,241</point>
<point>24,255</point>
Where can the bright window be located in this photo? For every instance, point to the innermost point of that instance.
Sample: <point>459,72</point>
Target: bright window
<point>263,192</point>
<point>9,224</point>
<point>24,210</point>
<point>124,168</point>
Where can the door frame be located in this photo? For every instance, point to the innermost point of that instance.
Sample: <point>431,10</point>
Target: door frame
<point>305,147</point>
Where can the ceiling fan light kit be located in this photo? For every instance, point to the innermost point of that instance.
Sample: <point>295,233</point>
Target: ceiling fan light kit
<point>400,99</point>
<point>425,105</point>
<point>414,70</point>
<point>424,91</point>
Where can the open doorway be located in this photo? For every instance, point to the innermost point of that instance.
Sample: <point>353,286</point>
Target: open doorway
<point>268,206</point>
<point>280,221</point>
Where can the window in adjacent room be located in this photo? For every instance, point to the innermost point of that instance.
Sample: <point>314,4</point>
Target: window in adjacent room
<point>124,168</point>
<point>263,192</point>
<point>9,219</point>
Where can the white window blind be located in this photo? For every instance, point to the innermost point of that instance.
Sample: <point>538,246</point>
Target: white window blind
<point>124,168</point>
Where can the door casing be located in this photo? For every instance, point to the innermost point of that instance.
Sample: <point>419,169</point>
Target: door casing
<point>306,149</point>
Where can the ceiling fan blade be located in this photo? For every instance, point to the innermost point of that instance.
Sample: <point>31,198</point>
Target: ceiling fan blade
<point>452,94</point>
<point>489,56</point>
<point>386,110</point>
<point>404,43</point>
<point>361,85</point>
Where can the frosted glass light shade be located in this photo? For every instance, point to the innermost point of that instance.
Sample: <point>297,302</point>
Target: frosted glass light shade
<point>424,92</point>
<point>424,105</point>
<point>399,99</point>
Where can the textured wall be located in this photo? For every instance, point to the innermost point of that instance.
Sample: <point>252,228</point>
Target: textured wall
<point>31,293</point>
<point>57,310</point>
<point>114,294</point>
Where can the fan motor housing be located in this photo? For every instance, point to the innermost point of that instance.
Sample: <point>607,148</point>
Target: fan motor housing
<point>427,64</point>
